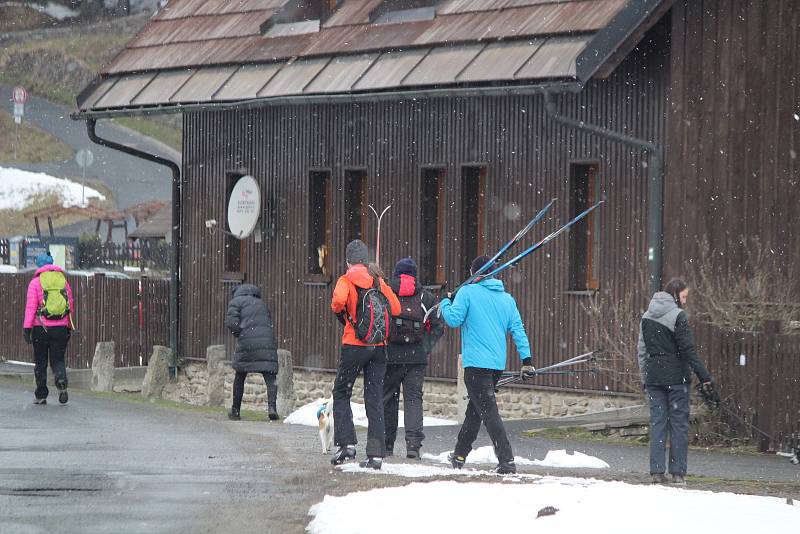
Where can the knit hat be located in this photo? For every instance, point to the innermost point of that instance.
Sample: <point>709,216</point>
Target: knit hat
<point>44,259</point>
<point>356,252</point>
<point>405,266</point>
<point>479,262</point>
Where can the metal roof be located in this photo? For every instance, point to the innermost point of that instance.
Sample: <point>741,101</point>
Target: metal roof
<point>196,51</point>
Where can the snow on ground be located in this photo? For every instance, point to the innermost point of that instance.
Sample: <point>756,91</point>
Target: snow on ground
<point>559,458</point>
<point>307,415</point>
<point>584,505</point>
<point>19,188</point>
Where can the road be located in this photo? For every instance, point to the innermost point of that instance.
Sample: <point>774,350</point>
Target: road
<point>103,465</point>
<point>131,180</point>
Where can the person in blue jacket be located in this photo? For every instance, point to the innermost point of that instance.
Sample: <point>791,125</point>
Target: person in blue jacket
<point>485,313</point>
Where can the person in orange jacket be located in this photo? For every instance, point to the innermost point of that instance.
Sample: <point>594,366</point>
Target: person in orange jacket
<point>366,320</point>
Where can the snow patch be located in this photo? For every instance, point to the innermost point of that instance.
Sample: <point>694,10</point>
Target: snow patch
<point>20,188</point>
<point>307,415</point>
<point>584,505</point>
<point>559,458</point>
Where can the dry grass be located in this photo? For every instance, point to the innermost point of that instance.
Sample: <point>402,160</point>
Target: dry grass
<point>18,18</point>
<point>36,146</point>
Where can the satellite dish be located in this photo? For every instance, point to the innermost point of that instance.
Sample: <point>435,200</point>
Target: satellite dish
<point>244,207</point>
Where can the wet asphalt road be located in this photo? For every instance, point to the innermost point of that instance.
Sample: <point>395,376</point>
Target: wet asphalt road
<point>102,465</point>
<point>131,180</point>
<point>99,465</point>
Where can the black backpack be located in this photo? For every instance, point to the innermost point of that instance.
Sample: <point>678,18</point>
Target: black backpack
<point>371,323</point>
<point>407,327</point>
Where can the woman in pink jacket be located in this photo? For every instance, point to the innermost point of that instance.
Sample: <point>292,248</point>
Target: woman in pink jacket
<point>48,326</point>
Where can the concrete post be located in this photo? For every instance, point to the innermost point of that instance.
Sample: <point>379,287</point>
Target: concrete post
<point>157,374</point>
<point>215,359</point>
<point>285,382</point>
<point>103,366</point>
<point>461,393</point>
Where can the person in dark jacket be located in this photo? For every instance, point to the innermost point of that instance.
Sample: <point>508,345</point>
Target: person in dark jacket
<point>410,343</point>
<point>666,355</point>
<point>486,314</point>
<point>250,322</point>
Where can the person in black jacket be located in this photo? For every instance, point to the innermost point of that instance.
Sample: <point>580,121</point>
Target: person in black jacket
<point>410,343</point>
<point>250,322</point>
<point>666,354</point>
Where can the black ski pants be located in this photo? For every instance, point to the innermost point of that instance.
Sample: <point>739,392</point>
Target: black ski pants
<point>410,376</point>
<point>354,359</point>
<point>482,406</point>
<point>238,389</point>
<point>49,345</point>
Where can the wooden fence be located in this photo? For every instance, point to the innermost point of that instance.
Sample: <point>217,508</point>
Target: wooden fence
<point>141,255</point>
<point>132,313</point>
<point>758,375</point>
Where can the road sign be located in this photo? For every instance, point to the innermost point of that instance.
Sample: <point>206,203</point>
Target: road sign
<point>84,158</point>
<point>19,111</point>
<point>19,95</point>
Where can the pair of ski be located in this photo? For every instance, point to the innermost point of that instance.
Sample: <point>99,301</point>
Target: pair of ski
<point>485,272</point>
<point>555,369</point>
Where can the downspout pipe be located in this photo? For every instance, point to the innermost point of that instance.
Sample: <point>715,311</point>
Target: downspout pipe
<point>655,184</point>
<point>174,288</point>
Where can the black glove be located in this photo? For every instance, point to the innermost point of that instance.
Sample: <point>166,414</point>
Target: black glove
<point>709,394</point>
<point>26,332</point>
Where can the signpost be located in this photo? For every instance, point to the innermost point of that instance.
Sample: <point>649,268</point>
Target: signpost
<point>19,95</point>
<point>84,158</point>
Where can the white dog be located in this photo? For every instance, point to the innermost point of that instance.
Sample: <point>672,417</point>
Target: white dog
<point>325,417</point>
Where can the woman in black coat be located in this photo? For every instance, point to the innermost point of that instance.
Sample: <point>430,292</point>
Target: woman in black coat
<point>256,347</point>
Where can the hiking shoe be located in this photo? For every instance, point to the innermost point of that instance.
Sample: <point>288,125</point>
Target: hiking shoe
<point>63,396</point>
<point>372,462</point>
<point>40,401</point>
<point>273,415</point>
<point>678,480</point>
<point>233,415</point>
<point>413,453</point>
<point>658,478</point>
<point>505,468</point>
<point>344,454</point>
<point>456,461</point>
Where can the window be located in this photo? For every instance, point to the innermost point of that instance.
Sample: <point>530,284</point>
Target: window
<point>355,204</point>
<point>473,183</point>
<point>234,247</point>
<point>431,262</point>
<point>583,249</point>
<point>319,223</point>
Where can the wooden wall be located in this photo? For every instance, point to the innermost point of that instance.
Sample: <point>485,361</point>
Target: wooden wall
<point>734,129</point>
<point>527,159</point>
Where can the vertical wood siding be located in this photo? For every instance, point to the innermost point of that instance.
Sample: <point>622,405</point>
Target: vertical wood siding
<point>527,159</point>
<point>734,133</point>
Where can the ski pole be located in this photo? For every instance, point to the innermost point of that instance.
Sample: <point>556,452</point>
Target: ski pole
<point>543,242</point>
<point>378,231</point>
<point>516,239</point>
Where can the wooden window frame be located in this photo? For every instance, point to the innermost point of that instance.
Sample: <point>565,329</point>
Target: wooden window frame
<point>590,281</point>
<point>311,277</point>
<point>228,273</point>
<point>439,271</point>
<point>481,215</point>
<point>364,199</point>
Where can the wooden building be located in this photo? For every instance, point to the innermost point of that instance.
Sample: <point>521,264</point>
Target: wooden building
<point>467,116</point>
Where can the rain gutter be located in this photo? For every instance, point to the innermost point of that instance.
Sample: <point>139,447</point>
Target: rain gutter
<point>655,184</point>
<point>174,288</point>
<point>339,98</point>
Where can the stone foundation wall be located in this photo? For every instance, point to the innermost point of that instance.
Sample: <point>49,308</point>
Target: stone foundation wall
<point>439,397</point>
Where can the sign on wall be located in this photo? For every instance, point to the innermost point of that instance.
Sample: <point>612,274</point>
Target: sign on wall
<point>244,207</point>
